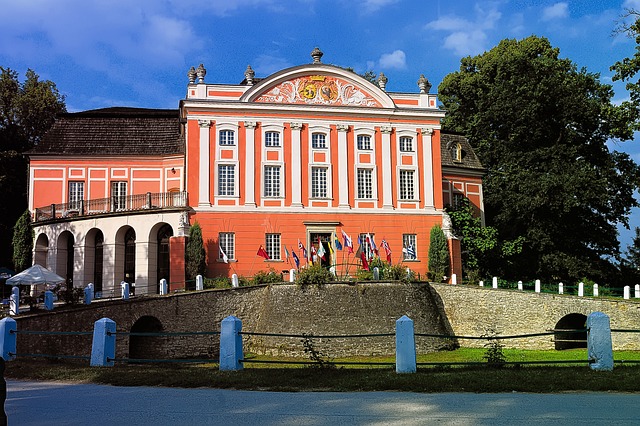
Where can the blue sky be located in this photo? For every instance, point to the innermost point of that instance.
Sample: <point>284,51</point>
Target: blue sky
<point>103,53</point>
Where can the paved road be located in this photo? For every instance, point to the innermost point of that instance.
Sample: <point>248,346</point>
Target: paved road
<point>48,403</point>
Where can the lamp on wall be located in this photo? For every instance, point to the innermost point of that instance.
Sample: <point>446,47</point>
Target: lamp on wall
<point>173,170</point>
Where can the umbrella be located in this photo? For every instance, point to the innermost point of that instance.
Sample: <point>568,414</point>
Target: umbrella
<point>5,273</point>
<point>35,275</point>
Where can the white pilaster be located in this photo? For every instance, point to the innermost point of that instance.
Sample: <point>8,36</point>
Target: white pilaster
<point>250,181</point>
<point>296,172</point>
<point>427,167</point>
<point>205,164</point>
<point>387,201</point>
<point>343,167</point>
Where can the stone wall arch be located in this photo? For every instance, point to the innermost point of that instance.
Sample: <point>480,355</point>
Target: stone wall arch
<point>147,347</point>
<point>41,250</point>
<point>578,339</point>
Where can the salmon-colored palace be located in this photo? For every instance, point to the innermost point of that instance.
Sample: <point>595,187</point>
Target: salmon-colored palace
<point>272,163</point>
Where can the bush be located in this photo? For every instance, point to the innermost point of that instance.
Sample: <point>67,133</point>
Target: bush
<point>438,254</point>
<point>314,275</point>
<point>217,282</point>
<point>266,277</point>
<point>69,295</point>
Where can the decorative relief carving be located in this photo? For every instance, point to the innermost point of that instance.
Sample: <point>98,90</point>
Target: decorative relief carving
<point>342,127</point>
<point>250,124</point>
<point>427,132</point>
<point>204,123</point>
<point>296,126</point>
<point>319,90</point>
<point>385,129</point>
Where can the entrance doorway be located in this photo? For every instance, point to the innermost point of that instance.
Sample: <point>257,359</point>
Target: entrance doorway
<point>324,238</point>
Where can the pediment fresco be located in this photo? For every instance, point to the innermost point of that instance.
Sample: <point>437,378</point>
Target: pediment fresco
<point>319,90</point>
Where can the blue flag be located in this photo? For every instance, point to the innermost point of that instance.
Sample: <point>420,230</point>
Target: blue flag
<point>295,259</point>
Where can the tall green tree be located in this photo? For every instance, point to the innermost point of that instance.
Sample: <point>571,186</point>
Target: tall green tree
<point>627,69</point>
<point>27,111</point>
<point>438,254</point>
<point>540,127</point>
<point>195,253</point>
<point>22,242</point>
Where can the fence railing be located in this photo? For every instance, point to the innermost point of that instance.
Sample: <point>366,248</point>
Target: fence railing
<point>114,204</point>
<point>231,358</point>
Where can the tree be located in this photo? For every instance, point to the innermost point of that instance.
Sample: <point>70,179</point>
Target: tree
<point>27,111</point>
<point>438,254</point>
<point>195,253</point>
<point>540,127</point>
<point>22,242</point>
<point>627,68</point>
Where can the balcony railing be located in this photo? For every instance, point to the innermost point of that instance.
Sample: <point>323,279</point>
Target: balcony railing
<point>114,204</point>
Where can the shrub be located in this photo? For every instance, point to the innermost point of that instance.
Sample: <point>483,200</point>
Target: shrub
<point>438,254</point>
<point>69,295</point>
<point>494,354</point>
<point>313,275</point>
<point>217,282</point>
<point>266,277</point>
<point>195,255</point>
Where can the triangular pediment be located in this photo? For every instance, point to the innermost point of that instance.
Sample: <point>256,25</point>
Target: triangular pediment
<point>322,85</point>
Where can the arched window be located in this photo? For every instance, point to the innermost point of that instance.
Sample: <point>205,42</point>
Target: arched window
<point>98,262</point>
<point>130,256</point>
<point>164,263</point>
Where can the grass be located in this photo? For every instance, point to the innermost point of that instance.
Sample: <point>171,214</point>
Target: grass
<point>257,376</point>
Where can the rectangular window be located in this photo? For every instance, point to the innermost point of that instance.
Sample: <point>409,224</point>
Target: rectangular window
<point>409,248</point>
<point>271,181</point>
<point>364,142</point>
<point>76,194</point>
<point>406,144</point>
<point>119,195</point>
<point>271,139</point>
<point>318,182</point>
<point>227,244</point>
<point>318,140</point>
<point>226,179</point>
<point>365,183</point>
<point>227,137</point>
<point>272,244</point>
<point>406,185</point>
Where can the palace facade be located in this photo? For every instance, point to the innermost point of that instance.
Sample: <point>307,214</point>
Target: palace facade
<point>296,159</point>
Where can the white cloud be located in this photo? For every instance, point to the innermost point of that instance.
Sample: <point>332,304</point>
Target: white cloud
<point>468,37</point>
<point>375,5</point>
<point>556,11</point>
<point>397,59</point>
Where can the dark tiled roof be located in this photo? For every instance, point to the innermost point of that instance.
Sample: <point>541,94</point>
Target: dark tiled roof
<point>448,144</point>
<point>114,131</point>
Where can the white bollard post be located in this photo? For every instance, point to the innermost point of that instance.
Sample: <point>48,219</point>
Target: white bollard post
<point>580,289</point>
<point>599,347</point>
<point>234,281</point>
<point>520,285</point>
<point>292,275</point>
<point>454,279</point>
<point>199,283</point>
<point>537,286</point>
<point>627,292</point>
<point>637,291</point>
<point>560,288</point>
<point>405,346</point>
<point>163,287</point>
<point>333,271</point>
<point>124,290</point>
<point>376,273</point>
<point>481,283</point>
<point>595,290</point>
<point>495,282</point>
<point>14,301</point>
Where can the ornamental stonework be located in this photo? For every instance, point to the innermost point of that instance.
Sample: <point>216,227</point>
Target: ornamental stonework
<point>319,90</point>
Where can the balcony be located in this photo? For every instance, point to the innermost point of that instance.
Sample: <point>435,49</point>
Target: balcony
<point>112,205</point>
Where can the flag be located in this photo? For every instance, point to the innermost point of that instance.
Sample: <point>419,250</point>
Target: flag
<point>295,259</point>
<point>336,241</point>
<point>387,249</point>
<point>365,264</point>
<point>321,250</point>
<point>359,251</point>
<point>347,241</point>
<point>373,244</point>
<point>304,250</point>
<point>286,255</point>
<point>224,255</point>
<point>262,253</point>
<point>411,251</point>
<point>313,253</point>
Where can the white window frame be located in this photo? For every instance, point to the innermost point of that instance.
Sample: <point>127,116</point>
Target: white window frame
<point>406,239</point>
<point>234,184</point>
<point>370,145</point>
<point>227,243</point>
<point>268,186</point>
<point>372,182</point>
<point>76,194</point>
<point>224,141</point>
<point>413,183</point>
<point>325,185</point>
<point>119,194</point>
<point>314,142</point>
<point>269,142</point>
<point>403,141</point>
<point>273,245</point>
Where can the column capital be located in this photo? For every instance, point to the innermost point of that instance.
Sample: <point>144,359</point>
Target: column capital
<point>250,124</point>
<point>427,132</point>
<point>342,127</point>
<point>386,129</point>
<point>296,126</point>
<point>205,123</point>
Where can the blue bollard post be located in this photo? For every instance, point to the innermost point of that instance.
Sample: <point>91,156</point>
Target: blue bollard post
<point>231,344</point>
<point>88,294</point>
<point>8,326</point>
<point>103,348</point>
<point>48,300</point>
<point>14,301</point>
<point>405,346</point>
<point>599,347</point>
